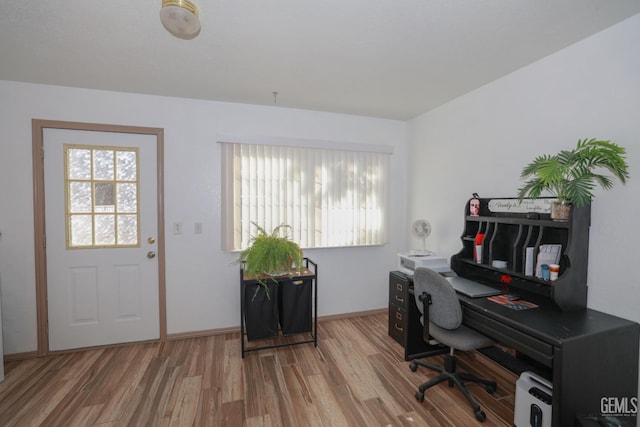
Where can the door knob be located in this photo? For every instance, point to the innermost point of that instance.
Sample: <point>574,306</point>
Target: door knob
<point>151,254</point>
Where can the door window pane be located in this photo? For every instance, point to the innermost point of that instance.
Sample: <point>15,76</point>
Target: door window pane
<point>127,166</point>
<point>127,198</point>
<point>102,196</point>
<point>105,229</point>
<point>80,197</point>
<point>79,163</point>
<point>103,165</point>
<point>81,230</point>
<point>127,229</point>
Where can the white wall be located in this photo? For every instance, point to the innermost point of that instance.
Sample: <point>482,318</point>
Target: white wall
<point>202,281</point>
<point>481,141</point>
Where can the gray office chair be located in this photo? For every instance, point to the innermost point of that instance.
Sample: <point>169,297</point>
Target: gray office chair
<point>438,302</point>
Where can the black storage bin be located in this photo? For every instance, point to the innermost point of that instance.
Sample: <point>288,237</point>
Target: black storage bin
<point>294,301</point>
<point>261,310</point>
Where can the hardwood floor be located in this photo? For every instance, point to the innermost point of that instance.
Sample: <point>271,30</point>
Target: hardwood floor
<point>355,377</point>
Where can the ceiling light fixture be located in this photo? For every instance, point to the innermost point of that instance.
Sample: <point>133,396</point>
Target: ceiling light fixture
<point>180,18</point>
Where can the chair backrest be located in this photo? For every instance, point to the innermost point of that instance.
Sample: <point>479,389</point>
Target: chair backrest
<point>444,310</point>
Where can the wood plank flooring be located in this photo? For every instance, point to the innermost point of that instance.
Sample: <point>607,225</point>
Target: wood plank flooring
<point>355,377</point>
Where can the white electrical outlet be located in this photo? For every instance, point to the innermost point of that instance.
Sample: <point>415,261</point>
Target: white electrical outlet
<point>197,228</point>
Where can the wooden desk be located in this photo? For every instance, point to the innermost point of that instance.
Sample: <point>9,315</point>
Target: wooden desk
<point>591,355</point>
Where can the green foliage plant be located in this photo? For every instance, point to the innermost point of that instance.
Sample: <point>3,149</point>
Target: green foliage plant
<point>572,175</point>
<point>270,254</point>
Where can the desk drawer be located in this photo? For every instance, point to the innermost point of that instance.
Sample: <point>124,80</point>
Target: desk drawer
<point>532,347</point>
<point>398,291</point>
<point>398,324</point>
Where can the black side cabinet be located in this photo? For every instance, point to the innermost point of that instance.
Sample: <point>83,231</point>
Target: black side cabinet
<point>404,319</point>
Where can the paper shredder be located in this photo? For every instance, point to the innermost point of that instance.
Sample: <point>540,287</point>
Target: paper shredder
<point>533,401</point>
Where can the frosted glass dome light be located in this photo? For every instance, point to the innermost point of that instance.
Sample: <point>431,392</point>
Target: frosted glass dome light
<point>180,18</point>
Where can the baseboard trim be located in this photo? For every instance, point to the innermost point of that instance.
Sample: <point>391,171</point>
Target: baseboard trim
<point>365,313</point>
<point>236,329</point>
<point>20,356</point>
<point>202,333</point>
<point>198,334</point>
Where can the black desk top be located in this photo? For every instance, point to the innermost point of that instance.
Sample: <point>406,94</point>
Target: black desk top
<point>547,322</point>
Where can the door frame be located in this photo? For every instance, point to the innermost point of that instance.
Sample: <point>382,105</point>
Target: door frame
<point>37,128</point>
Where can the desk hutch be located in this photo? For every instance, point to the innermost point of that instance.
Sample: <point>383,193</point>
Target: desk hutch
<point>506,238</point>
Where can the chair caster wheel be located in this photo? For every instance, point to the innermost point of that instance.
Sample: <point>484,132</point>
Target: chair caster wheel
<point>419,396</point>
<point>450,382</point>
<point>480,416</point>
<point>491,388</point>
<point>413,367</point>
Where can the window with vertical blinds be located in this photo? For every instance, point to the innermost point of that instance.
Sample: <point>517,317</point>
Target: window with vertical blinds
<point>329,197</point>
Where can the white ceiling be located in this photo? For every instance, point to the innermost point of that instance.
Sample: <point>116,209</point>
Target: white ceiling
<point>383,58</point>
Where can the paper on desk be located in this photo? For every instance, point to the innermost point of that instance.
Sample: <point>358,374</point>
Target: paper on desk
<point>547,254</point>
<point>528,261</point>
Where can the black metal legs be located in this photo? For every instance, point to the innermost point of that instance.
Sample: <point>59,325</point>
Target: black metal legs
<point>448,373</point>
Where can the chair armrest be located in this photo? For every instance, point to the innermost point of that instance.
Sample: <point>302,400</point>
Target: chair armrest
<point>426,302</point>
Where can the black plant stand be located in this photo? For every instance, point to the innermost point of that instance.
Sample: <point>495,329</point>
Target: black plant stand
<point>295,301</point>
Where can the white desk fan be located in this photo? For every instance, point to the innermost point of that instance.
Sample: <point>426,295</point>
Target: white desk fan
<point>422,229</point>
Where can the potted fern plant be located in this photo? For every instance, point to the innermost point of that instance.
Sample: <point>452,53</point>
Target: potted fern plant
<point>572,175</point>
<point>271,254</point>
<point>268,257</point>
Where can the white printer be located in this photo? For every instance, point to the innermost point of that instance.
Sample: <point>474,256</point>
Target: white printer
<point>409,261</point>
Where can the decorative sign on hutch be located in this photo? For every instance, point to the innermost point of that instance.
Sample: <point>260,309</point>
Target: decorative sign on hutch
<point>515,206</point>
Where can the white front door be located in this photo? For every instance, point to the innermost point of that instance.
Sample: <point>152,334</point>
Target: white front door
<point>101,231</point>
